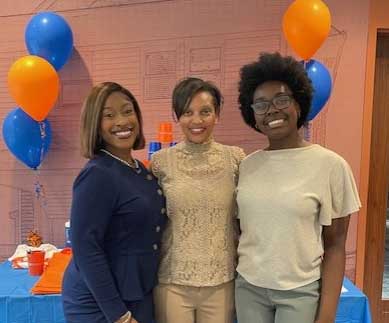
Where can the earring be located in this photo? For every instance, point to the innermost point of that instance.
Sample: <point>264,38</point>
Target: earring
<point>256,126</point>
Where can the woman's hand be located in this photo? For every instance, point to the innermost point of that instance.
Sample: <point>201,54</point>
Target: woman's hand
<point>127,318</point>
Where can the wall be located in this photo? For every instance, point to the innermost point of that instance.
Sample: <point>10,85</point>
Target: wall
<point>149,45</point>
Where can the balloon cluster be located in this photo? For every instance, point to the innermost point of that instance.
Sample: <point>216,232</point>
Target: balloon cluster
<point>306,25</point>
<point>33,83</point>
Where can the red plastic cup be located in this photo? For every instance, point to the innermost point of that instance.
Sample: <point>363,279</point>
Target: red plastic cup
<point>146,163</point>
<point>165,132</point>
<point>36,261</point>
<point>165,127</point>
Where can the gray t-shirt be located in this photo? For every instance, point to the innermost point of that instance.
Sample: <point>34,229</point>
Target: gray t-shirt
<point>284,198</point>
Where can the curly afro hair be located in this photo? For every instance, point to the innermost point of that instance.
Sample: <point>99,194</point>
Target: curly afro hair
<point>274,67</point>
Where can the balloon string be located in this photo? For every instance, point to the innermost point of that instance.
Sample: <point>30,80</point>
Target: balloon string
<point>42,128</point>
<point>38,187</point>
<point>337,30</point>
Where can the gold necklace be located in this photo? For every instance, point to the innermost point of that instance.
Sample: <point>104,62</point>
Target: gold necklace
<point>134,166</point>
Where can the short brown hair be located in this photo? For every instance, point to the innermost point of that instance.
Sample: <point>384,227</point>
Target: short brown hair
<point>187,88</point>
<point>91,114</point>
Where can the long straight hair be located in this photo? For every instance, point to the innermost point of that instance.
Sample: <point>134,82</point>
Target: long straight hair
<point>91,114</point>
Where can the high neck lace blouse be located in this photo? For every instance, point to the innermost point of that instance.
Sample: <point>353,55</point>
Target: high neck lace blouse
<point>199,243</point>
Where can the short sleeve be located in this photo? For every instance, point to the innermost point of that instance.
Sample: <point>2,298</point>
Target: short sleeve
<point>341,196</point>
<point>238,154</point>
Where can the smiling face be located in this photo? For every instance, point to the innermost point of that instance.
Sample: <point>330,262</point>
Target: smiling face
<point>119,126</point>
<point>199,119</point>
<point>276,123</point>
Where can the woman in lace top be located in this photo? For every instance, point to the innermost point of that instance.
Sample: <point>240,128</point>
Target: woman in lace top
<point>198,177</point>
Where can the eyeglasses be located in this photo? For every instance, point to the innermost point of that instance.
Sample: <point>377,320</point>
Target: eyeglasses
<point>280,102</point>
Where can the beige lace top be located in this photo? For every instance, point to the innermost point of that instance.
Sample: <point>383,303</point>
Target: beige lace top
<point>199,242</point>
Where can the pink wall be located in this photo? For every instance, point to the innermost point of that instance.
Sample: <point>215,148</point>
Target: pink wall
<point>147,46</point>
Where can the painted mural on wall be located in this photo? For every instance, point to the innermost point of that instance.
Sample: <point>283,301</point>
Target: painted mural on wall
<point>146,46</point>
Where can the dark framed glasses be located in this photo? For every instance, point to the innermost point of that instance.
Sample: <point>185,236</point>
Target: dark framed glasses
<point>280,102</point>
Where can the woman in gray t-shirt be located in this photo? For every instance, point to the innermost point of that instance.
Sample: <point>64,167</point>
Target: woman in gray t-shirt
<point>294,201</point>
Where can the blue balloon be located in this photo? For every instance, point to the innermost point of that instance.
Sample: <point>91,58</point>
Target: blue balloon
<point>49,36</point>
<point>27,139</point>
<point>322,85</point>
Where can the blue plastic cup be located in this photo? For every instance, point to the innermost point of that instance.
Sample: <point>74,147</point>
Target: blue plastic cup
<point>153,147</point>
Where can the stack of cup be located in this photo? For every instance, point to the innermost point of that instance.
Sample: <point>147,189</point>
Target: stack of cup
<point>165,132</point>
<point>165,137</point>
<point>153,147</point>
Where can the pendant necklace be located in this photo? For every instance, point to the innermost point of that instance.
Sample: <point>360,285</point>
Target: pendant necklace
<point>135,167</point>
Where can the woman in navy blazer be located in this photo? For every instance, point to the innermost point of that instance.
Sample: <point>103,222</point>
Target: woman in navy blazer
<point>117,216</point>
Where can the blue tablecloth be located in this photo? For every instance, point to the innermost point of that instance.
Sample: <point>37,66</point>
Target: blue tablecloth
<point>353,305</point>
<point>17,305</point>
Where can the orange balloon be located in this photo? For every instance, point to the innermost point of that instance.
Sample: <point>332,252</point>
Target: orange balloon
<point>306,25</point>
<point>34,84</point>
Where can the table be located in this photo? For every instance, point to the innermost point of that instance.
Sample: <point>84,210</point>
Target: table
<point>353,305</point>
<point>17,305</point>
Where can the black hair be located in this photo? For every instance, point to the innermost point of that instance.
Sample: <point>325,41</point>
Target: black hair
<point>187,88</point>
<point>274,67</point>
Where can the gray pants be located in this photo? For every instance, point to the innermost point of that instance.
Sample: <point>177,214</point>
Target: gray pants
<point>261,305</point>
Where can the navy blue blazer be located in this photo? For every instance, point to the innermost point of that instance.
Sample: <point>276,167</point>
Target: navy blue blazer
<point>117,219</point>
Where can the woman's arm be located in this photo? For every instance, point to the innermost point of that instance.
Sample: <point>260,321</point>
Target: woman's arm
<point>94,198</point>
<point>332,268</point>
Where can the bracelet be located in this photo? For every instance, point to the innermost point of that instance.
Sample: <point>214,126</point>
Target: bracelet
<point>126,318</point>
